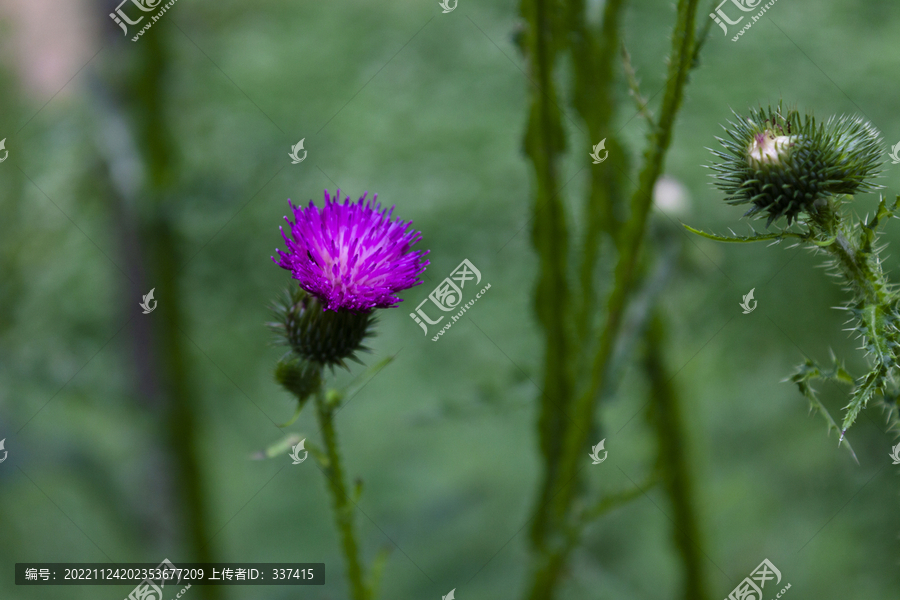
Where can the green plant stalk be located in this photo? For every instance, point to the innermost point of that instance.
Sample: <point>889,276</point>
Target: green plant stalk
<point>593,96</point>
<point>549,568</point>
<point>858,262</point>
<point>626,267</point>
<point>669,426</point>
<point>181,412</point>
<point>874,305</point>
<point>544,142</point>
<point>867,282</point>
<point>343,508</point>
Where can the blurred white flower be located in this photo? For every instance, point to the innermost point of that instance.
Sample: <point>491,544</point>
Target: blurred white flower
<point>671,196</point>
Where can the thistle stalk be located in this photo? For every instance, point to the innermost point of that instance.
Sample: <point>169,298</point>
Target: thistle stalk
<point>343,507</point>
<point>566,423</point>
<point>850,258</point>
<point>349,260</point>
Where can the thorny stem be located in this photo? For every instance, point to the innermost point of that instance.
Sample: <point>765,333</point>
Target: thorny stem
<point>555,542</point>
<point>544,141</point>
<point>343,508</point>
<point>679,66</point>
<point>856,268</point>
<point>857,260</point>
<point>850,259</point>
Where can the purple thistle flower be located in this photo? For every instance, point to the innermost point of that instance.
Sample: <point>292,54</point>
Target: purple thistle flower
<point>351,256</point>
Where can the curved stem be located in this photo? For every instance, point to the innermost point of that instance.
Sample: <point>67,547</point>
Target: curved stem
<point>343,508</point>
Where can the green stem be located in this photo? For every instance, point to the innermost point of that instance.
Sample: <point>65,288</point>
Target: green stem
<point>625,273</point>
<point>671,435</point>
<point>544,141</point>
<point>594,59</point>
<point>562,481</point>
<point>856,269</point>
<point>853,261</point>
<point>613,501</point>
<point>182,411</point>
<point>343,508</point>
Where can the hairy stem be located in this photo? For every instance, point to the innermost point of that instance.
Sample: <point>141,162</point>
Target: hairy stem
<point>563,481</point>
<point>593,61</point>
<point>343,508</point>
<point>853,259</point>
<point>544,142</point>
<point>626,267</point>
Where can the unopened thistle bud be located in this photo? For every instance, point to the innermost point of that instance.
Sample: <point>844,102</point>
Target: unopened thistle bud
<point>783,163</point>
<point>301,378</point>
<point>320,336</point>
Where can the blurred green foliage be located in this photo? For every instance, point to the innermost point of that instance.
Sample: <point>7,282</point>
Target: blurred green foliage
<point>428,111</point>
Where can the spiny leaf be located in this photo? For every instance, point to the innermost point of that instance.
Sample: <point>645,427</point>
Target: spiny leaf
<point>808,371</point>
<point>761,237</point>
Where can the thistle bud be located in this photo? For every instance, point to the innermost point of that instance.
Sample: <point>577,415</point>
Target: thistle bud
<point>784,164</point>
<point>323,337</point>
<point>300,377</point>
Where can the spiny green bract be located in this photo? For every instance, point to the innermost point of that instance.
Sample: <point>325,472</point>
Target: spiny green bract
<point>783,162</point>
<point>327,338</point>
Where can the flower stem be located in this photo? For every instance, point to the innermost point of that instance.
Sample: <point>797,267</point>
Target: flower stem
<point>852,260</point>
<point>343,507</point>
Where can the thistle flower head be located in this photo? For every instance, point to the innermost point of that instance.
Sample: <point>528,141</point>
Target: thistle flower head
<point>783,162</point>
<point>351,256</point>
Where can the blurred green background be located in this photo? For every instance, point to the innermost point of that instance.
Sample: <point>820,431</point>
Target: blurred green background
<point>427,110</point>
